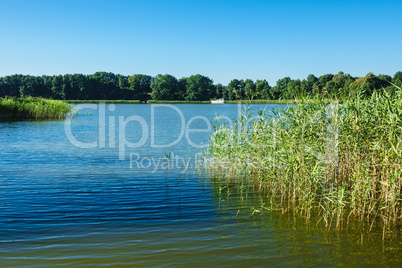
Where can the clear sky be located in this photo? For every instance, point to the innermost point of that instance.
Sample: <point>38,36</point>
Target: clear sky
<point>224,40</point>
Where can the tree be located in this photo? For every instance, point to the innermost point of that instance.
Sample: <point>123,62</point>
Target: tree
<point>140,86</point>
<point>2,87</point>
<point>263,90</point>
<point>293,89</point>
<point>311,80</point>
<point>365,85</point>
<point>219,91</point>
<point>181,89</point>
<point>164,87</point>
<point>226,94</point>
<point>249,89</point>
<point>339,84</point>
<point>322,82</point>
<point>33,86</point>
<point>384,82</point>
<point>57,88</point>
<point>308,85</point>
<point>280,90</point>
<point>106,85</point>
<point>199,88</point>
<point>77,87</point>
<point>397,79</point>
<point>236,90</point>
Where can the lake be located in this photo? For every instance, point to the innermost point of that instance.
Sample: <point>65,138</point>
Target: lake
<point>118,185</point>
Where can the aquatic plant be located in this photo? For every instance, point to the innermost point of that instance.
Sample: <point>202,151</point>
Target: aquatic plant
<point>33,108</point>
<point>340,161</point>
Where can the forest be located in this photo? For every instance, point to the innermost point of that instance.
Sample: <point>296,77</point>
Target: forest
<point>110,86</point>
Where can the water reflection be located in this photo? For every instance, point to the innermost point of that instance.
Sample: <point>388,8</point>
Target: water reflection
<point>65,206</point>
<point>295,241</point>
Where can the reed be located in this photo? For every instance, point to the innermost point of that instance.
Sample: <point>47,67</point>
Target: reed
<point>32,108</point>
<point>340,161</point>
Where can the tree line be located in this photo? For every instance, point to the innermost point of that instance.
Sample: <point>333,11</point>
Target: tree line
<point>110,86</point>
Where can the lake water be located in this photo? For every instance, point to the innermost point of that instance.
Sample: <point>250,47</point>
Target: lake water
<point>117,186</point>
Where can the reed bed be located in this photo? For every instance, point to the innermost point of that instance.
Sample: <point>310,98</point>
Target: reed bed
<point>336,161</point>
<point>32,108</point>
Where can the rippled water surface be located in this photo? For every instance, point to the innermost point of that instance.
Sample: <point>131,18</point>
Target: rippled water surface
<point>62,205</point>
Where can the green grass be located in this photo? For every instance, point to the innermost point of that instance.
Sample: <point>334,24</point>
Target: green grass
<point>105,101</point>
<point>340,162</point>
<point>33,108</point>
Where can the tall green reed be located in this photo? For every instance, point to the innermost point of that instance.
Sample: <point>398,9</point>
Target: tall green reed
<point>340,161</point>
<point>33,108</point>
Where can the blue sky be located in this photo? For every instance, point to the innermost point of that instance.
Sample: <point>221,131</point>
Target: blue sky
<point>220,39</point>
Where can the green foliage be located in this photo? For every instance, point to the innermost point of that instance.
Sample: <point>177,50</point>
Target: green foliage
<point>104,83</point>
<point>339,85</point>
<point>397,79</point>
<point>57,88</point>
<point>219,91</point>
<point>323,80</point>
<point>281,90</point>
<point>236,90</point>
<point>337,162</point>
<point>250,90</point>
<point>199,87</point>
<point>33,108</point>
<point>140,86</point>
<point>181,91</point>
<point>369,84</point>
<point>293,89</point>
<point>164,87</point>
<point>110,86</point>
<point>263,90</point>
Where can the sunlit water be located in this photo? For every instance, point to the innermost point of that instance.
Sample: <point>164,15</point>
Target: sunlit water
<point>62,205</point>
